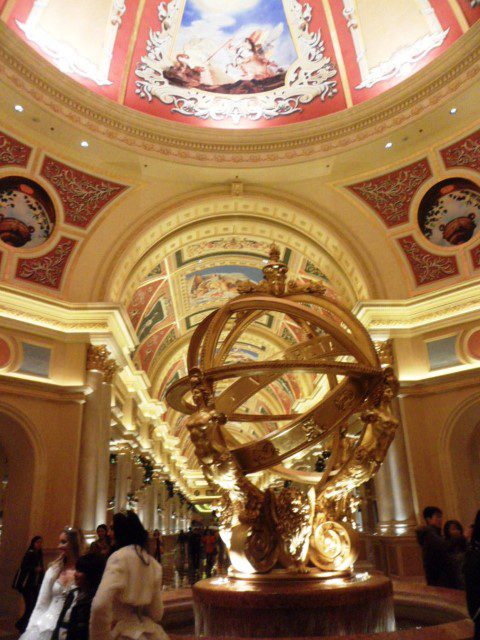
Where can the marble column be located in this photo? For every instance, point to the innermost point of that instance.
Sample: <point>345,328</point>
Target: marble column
<point>156,524</point>
<point>88,468</point>
<point>162,502</point>
<point>103,453</point>
<point>138,474</point>
<point>393,489</point>
<point>124,479</point>
<point>167,511</point>
<point>184,517</point>
<point>148,507</point>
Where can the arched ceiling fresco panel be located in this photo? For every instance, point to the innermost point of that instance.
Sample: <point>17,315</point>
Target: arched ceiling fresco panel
<point>224,218</point>
<point>240,64</point>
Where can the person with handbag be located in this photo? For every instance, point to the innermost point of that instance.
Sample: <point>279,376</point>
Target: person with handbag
<point>28,579</point>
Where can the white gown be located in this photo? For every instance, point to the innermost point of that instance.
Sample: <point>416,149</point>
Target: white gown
<point>128,603</point>
<point>48,608</point>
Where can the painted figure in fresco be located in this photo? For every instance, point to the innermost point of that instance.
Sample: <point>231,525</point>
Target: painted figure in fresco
<point>245,47</point>
<point>218,283</point>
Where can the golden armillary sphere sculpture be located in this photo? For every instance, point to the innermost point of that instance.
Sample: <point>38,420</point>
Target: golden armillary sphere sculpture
<point>310,521</point>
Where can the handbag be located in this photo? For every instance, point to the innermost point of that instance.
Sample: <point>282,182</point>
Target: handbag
<point>20,580</point>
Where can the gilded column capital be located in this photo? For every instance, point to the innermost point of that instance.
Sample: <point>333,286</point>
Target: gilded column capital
<point>98,359</point>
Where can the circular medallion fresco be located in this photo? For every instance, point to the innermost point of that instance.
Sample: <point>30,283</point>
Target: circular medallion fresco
<point>473,345</point>
<point>5,353</point>
<point>27,215</point>
<point>449,213</point>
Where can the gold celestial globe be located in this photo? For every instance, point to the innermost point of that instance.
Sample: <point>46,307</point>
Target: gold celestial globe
<point>307,519</point>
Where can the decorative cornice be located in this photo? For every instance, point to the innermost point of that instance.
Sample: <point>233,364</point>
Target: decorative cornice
<point>23,69</point>
<point>422,313</point>
<point>440,384</point>
<point>42,389</point>
<point>78,320</point>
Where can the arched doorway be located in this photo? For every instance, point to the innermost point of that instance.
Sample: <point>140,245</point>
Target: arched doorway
<point>21,498</point>
<point>460,460</point>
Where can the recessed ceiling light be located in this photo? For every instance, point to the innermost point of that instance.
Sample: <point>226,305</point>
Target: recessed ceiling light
<point>84,143</point>
<point>453,111</point>
<point>19,108</point>
<point>389,145</point>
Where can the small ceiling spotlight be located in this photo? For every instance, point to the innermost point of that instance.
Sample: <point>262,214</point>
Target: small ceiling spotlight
<point>453,111</point>
<point>84,143</point>
<point>19,108</point>
<point>389,145</point>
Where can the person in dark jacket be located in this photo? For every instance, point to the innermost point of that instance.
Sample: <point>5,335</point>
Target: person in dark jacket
<point>74,618</point>
<point>102,544</point>
<point>31,576</point>
<point>434,549</point>
<point>158,549</point>
<point>456,548</point>
<point>472,576</point>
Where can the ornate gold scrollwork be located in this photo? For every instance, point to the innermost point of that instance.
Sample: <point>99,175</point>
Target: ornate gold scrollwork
<point>312,521</point>
<point>98,359</point>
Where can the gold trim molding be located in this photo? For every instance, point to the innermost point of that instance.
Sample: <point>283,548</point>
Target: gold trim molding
<point>416,315</point>
<point>23,69</point>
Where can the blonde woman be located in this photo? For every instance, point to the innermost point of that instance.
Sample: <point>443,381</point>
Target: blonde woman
<point>58,582</point>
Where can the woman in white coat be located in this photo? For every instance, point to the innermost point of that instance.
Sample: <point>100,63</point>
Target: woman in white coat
<point>58,582</point>
<point>128,603</point>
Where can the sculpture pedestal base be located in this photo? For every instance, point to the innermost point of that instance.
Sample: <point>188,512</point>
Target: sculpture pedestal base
<point>292,605</point>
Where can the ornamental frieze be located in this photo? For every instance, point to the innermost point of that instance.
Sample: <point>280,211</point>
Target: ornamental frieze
<point>391,194</point>
<point>13,152</point>
<point>47,270</point>
<point>464,153</point>
<point>427,267</point>
<point>83,195</point>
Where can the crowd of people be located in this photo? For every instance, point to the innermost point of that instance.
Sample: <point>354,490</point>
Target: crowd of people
<point>117,585</point>
<point>198,551</point>
<point>114,590</point>
<point>451,557</point>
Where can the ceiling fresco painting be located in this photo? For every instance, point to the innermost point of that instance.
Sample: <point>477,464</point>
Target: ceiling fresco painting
<point>449,213</point>
<point>218,284</point>
<point>86,40</point>
<point>378,52</point>
<point>27,214</point>
<point>240,63</point>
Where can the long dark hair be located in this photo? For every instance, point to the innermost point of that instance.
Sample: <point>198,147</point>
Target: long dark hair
<point>31,546</point>
<point>475,539</point>
<point>128,529</point>
<point>448,524</point>
<point>92,565</point>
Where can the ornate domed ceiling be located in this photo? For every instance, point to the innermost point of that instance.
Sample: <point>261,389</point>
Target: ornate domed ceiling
<point>240,63</point>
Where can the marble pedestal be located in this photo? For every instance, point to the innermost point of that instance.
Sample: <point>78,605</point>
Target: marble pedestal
<point>292,606</point>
